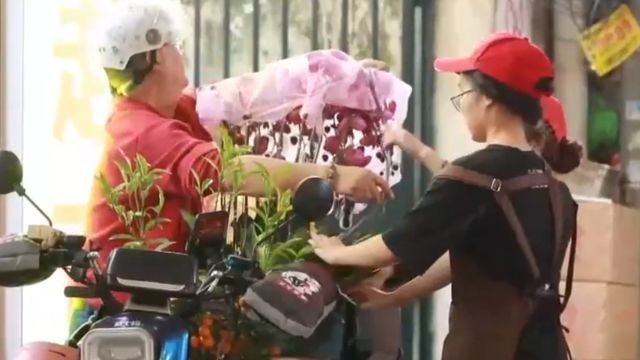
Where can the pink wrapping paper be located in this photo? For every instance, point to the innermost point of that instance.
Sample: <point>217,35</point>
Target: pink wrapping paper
<point>321,89</point>
<point>311,80</point>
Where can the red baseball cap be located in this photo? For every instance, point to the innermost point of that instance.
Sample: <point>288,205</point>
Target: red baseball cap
<point>511,59</point>
<point>553,114</point>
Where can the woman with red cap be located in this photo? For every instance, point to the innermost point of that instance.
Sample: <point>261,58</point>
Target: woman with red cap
<point>505,221</point>
<point>548,139</point>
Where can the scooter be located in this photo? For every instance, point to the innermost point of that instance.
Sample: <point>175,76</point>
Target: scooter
<point>166,289</point>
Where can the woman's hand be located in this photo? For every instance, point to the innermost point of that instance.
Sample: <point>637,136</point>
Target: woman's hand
<point>327,248</point>
<point>393,135</point>
<point>361,185</point>
<point>369,297</point>
<point>368,293</point>
<point>374,64</point>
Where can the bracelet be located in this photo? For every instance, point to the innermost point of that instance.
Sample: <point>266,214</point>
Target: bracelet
<point>332,174</point>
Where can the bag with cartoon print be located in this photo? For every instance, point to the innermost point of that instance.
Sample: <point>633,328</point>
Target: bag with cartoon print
<point>295,298</point>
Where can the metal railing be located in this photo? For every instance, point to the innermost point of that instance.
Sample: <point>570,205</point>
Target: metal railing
<point>416,36</point>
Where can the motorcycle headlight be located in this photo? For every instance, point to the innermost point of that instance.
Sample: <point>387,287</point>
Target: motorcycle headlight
<point>117,344</point>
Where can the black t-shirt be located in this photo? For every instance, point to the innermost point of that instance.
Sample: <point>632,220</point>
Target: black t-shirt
<point>460,217</point>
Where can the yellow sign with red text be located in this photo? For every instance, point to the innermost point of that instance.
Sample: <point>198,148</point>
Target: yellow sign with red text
<point>611,41</point>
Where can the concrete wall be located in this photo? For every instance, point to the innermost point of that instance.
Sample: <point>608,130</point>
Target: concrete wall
<point>571,71</point>
<point>460,25</point>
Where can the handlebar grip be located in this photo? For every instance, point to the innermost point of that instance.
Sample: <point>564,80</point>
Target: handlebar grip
<point>80,292</point>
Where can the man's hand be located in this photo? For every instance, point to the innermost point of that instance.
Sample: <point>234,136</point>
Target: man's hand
<point>47,236</point>
<point>361,185</point>
<point>327,247</point>
<point>190,92</point>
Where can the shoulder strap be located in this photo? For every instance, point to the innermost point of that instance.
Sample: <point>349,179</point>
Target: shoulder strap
<point>471,177</point>
<point>501,189</point>
<point>568,285</point>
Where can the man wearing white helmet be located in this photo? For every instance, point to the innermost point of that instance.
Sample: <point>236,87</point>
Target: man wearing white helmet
<point>154,116</point>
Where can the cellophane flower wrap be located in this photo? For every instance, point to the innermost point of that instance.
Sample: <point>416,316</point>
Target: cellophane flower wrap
<point>325,93</point>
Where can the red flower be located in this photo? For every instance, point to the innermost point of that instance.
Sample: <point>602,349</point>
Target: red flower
<point>332,144</point>
<point>370,139</point>
<point>329,111</point>
<point>357,122</point>
<point>239,139</point>
<point>343,129</point>
<point>282,126</point>
<point>355,157</point>
<point>389,111</point>
<point>305,130</point>
<point>392,107</point>
<point>294,116</point>
<point>261,145</point>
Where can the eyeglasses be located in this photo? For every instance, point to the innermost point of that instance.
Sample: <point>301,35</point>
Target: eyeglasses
<point>457,100</point>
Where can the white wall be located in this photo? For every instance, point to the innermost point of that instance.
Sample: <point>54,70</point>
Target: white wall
<point>58,95</point>
<point>11,72</point>
<point>571,71</point>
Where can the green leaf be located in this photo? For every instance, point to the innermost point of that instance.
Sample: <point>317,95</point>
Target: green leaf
<point>128,237</point>
<point>141,164</point>
<point>206,185</point>
<point>158,208</point>
<point>161,243</point>
<point>196,178</point>
<point>304,252</point>
<point>153,223</point>
<point>188,218</point>
<point>135,245</point>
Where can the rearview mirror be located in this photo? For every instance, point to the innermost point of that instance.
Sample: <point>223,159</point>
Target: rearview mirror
<point>11,179</point>
<point>313,198</point>
<point>10,173</point>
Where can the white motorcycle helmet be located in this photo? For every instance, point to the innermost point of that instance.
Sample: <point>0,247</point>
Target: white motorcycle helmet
<point>135,27</point>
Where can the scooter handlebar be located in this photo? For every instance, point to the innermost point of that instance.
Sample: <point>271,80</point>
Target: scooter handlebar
<point>25,260</point>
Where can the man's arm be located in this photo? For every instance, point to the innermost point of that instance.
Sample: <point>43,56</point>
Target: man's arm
<point>285,175</point>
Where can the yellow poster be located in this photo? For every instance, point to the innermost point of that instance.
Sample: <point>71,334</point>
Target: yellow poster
<point>611,41</point>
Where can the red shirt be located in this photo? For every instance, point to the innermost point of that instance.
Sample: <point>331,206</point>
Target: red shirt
<point>180,146</point>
